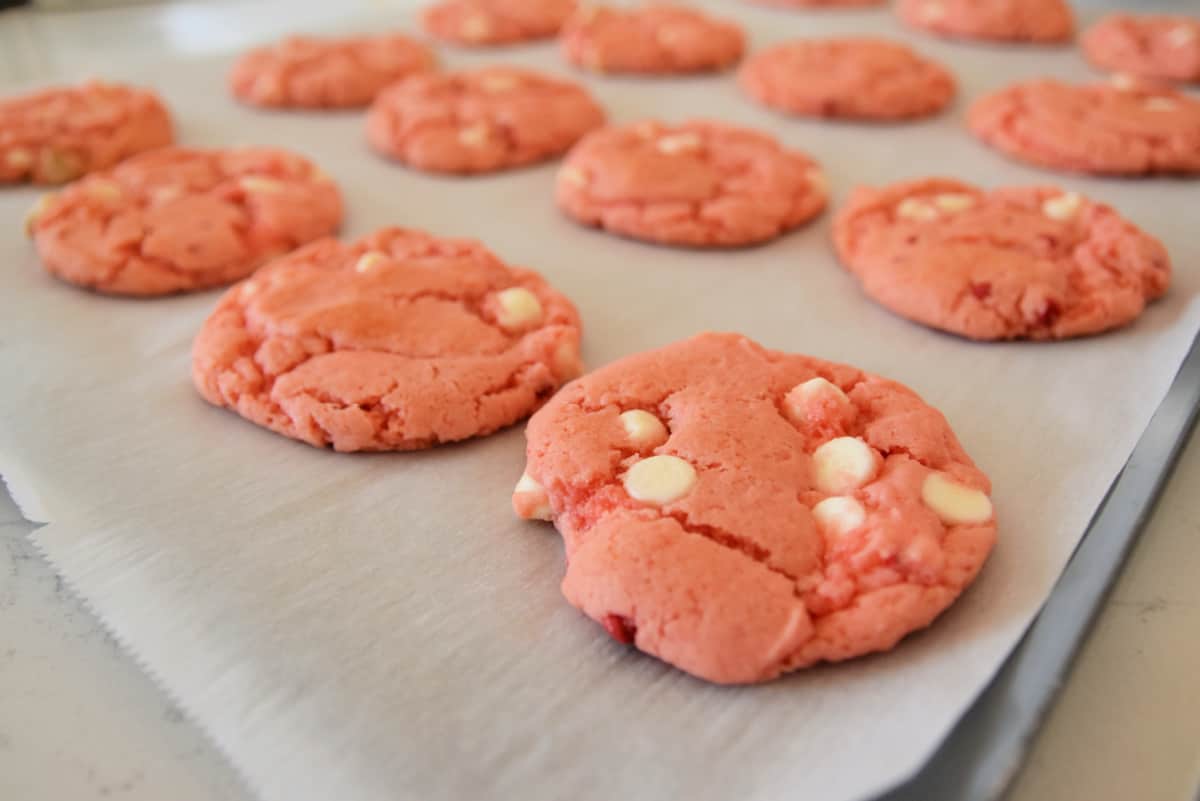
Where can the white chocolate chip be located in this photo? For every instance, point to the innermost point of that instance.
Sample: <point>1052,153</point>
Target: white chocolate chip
<point>644,429</point>
<point>19,158</point>
<point>1181,35</point>
<point>932,12</point>
<point>817,180</point>
<point>811,394</point>
<point>519,308</point>
<point>572,176</point>
<point>678,143</point>
<point>1123,82</point>
<point>954,202</point>
<point>844,464</point>
<point>955,503</point>
<point>498,82</point>
<point>838,515</point>
<point>474,135</point>
<point>475,28</point>
<point>912,208</point>
<point>257,183</point>
<point>249,289</point>
<point>530,499</point>
<point>1160,104</point>
<point>37,210</point>
<point>660,479</point>
<point>1062,207</point>
<point>369,260</point>
<point>103,189</point>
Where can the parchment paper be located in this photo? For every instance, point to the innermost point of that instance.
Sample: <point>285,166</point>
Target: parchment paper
<point>378,627</point>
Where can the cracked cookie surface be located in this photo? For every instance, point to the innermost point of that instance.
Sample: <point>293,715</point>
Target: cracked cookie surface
<point>696,184</point>
<point>59,134</point>
<point>1118,127</point>
<point>858,78</point>
<point>1045,21</point>
<point>1014,263</point>
<point>739,512</point>
<point>311,72</point>
<point>495,22</point>
<point>651,40</point>
<point>398,341</point>
<point>179,219</point>
<point>480,120</point>
<point>1150,45</point>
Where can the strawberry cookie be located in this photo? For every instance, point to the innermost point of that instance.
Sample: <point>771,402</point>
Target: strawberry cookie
<point>1045,21</point>
<point>56,135</point>
<point>1152,46</point>
<point>1120,127</point>
<point>481,120</point>
<point>309,72</point>
<point>740,512</point>
<point>398,341</point>
<point>1022,263</point>
<point>696,184</point>
<point>861,79</point>
<point>176,220</point>
<point>651,40</point>
<point>495,22</point>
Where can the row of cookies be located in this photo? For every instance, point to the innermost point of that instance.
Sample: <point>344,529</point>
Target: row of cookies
<point>611,39</point>
<point>465,122</point>
<point>179,219</point>
<point>458,123</point>
<point>646,41</point>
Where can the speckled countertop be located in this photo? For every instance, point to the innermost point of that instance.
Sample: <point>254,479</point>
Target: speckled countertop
<point>79,721</point>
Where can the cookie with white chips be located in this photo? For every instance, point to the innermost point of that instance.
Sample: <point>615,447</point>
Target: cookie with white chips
<point>183,219</point>
<point>399,341</point>
<point>740,512</point>
<point>1014,263</point>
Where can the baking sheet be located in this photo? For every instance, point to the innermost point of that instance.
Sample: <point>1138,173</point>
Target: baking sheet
<point>980,756</point>
<point>379,627</point>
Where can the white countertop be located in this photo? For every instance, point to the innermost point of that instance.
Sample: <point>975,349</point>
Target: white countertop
<point>80,721</point>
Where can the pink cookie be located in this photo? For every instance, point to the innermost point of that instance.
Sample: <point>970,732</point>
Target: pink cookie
<point>57,135</point>
<point>1116,128</point>
<point>495,22</point>
<point>652,40</point>
<point>864,79</point>
<point>480,121</point>
<point>994,20</point>
<point>739,512</point>
<point>396,342</point>
<point>698,184</point>
<point>1153,46</point>
<point>307,72</point>
<point>176,220</point>
<point>1026,263</point>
